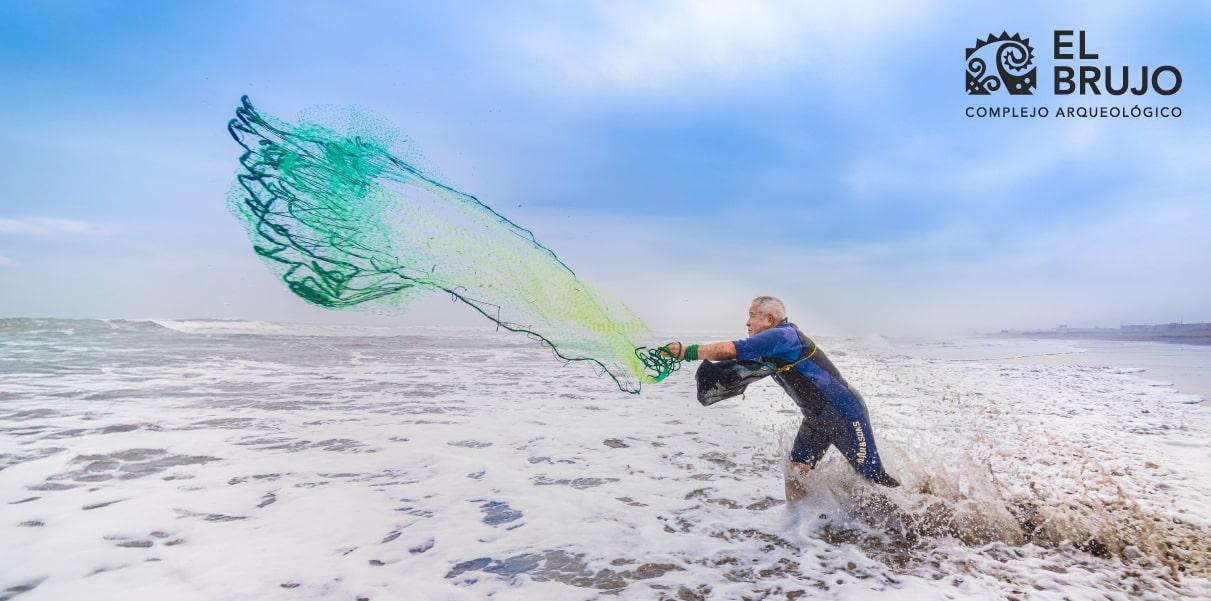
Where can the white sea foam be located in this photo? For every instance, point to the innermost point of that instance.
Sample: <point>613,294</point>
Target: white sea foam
<point>251,464</point>
<point>270,328</point>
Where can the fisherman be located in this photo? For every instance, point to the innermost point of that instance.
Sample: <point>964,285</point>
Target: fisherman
<point>833,412</point>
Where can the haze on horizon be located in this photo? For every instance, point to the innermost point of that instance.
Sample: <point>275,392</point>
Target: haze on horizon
<point>683,157</point>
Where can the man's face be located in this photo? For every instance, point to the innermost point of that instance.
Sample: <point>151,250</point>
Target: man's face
<point>758,321</point>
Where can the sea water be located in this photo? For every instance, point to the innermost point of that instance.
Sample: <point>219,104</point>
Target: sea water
<point>240,460</point>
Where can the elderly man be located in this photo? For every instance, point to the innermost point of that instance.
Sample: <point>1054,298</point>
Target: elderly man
<point>833,412</point>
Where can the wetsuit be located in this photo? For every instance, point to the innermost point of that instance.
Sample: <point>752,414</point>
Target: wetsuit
<point>833,413</point>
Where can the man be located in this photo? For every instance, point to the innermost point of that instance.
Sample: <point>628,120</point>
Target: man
<point>833,413</point>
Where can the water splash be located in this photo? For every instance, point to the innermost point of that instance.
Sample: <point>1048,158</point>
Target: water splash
<point>966,480</point>
<point>347,224</point>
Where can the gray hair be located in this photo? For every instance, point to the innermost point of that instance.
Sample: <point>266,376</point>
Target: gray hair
<point>772,306</point>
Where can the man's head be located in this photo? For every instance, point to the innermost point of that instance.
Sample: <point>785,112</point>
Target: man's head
<point>765,313</point>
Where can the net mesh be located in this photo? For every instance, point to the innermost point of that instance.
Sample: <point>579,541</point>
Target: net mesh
<point>347,224</point>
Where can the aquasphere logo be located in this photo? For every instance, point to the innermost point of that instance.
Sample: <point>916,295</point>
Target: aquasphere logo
<point>1014,60</point>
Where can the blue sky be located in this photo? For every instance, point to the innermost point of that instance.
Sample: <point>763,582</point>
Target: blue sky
<point>683,157</point>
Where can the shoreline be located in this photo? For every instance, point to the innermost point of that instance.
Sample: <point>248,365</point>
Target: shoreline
<point>1185,367</point>
<point>1192,340</point>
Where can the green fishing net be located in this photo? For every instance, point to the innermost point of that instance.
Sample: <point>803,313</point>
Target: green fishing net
<point>347,224</point>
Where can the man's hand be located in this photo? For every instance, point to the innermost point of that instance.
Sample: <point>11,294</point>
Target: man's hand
<point>675,348</point>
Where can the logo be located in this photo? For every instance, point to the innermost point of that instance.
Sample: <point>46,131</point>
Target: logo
<point>1083,85</point>
<point>1014,59</point>
<point>861,456</point>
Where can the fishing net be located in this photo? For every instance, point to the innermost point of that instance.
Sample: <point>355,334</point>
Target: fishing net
<point>347,224</point>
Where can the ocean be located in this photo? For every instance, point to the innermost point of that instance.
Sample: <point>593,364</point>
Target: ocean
<point>204,459</point>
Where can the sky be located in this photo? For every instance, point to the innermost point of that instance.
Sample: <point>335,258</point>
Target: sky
<point>682,156</point>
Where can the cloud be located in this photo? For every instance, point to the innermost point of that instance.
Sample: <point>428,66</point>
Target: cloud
<point>673,45</point>
<point>47,226</point>
<point>954,165</point>
<point>1138,258</point>
<point>1081,167</point>
<point>1131,263</point>
<point>5,261</point>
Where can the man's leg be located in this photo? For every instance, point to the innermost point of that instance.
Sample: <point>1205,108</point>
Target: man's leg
<point>856,441</point>
<point>810,445</point>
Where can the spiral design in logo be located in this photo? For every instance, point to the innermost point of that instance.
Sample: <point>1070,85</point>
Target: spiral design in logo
<point>1014,61</point>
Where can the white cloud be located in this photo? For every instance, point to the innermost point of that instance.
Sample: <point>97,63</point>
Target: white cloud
<point>46,226</point>
<point>1140,259</point>
<point>674,45</point>
<point>956,167</point>
<point>5,261</point>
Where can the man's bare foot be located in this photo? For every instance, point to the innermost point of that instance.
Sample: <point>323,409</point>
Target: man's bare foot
<point>794,475</point>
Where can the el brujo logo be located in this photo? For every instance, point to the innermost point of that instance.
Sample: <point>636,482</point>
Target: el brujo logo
<point>1014,60</point>
<point>1074,72</point>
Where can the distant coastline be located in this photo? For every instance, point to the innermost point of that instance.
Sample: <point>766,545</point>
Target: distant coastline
<point>1176,333</point>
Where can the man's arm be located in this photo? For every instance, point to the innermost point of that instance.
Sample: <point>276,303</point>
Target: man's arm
<point>714,351</point>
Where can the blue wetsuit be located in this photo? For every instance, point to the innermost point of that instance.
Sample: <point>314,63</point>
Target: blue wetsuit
<point>833,412</point>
